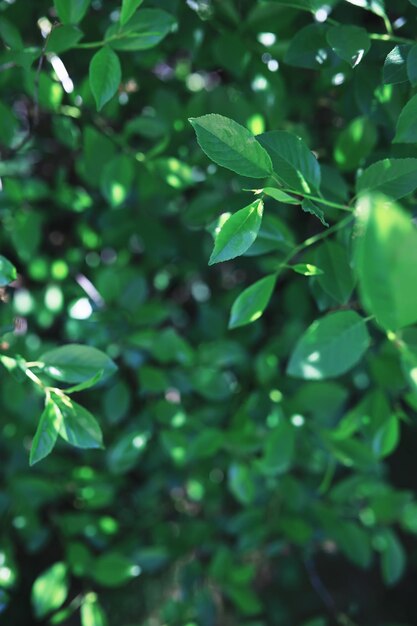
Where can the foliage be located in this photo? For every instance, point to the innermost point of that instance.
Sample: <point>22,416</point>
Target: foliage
<point>208,281</point>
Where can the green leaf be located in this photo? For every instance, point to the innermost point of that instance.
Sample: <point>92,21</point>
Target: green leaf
<point>395,65</point>
<point>306,269</point>
<point>105,76</point>
<point>309,48</point>
<point>144,30</point>
<point>279,448</point>
<point>406,131</point>
<point>75,363</point>
<point>63,37</point>
<point>355,143</point>
<point>350,43</point>
<point>7,272</point>
<point>337,278</point>
<point>252,302</point>
<point>71,11</point>
<point>386,438</point>
<point>231,145</point>
<point>50,590</point>
<point>393,559</point>
<point>386,262</point>
<point>117,179</point>
<point>238,233</point>
<point>292,161</point>
<point>330,347</point>
<point>91,612</point>
<point>279,196</point>
<point>311,207</point>
<point>412,65</point>
<point>113,569</point>
<point>78,427</point>
<point>241,483</point>
<point>10,34</point>
<point>8,126</point>
<point>87,384</point>
<point>129,7</point>
<point>394,177</point>
<point>46,433</point>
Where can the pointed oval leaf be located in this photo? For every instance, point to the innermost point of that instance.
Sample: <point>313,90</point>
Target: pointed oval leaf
<point>279,449</point>
<point>129,7</point>
<point>395,65</point>
<point>252,302</point>
<point>330,347</point>
<point>407,123</point>
<point>230,145</point>
<point>144,30</point>
<point>280,196</point>
<point>238,233</point>
<point>394,177</point>
<point>75,363</point>
<point>63,37</point>
<point>78,427</point>
<point>312,207</point>
<point>350,43</point>
<point>412,65</point>
<point>105,76</point>
<point>71,11</point>
<point>393,559</point>
<point>355,143</point>
<point>295,165</point>
<point>7,272</point>
<point>309,48</point>
<point>386,262</point>
<point>337,278</point>
<point>50,590</point>
<point>46,433</point>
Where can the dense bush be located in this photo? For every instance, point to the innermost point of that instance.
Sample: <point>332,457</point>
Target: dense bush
<point>257,396</point>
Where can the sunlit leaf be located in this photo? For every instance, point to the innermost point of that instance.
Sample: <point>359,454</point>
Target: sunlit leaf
<point>231,145</point>
<point>252,302</point>
<point>330,347</point>
<point>238,233</point>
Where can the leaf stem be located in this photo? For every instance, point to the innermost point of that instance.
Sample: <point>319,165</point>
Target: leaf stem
<point>390,37</point>
<point>313,240</point>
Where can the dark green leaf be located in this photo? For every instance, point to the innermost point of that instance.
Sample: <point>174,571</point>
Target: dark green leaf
<point>311,207</point>
<point>71,11</point>
<point>293,163</point>
<point>336,277</point>
<point>393,559</point>
<point>75,363</point>
<point>395,66</point>
<point>63,37</point>
<point>350,43</point>
<point>412,65</point>
<point>309,48</point>
<point>105,76</point>
<point>407,123</point>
